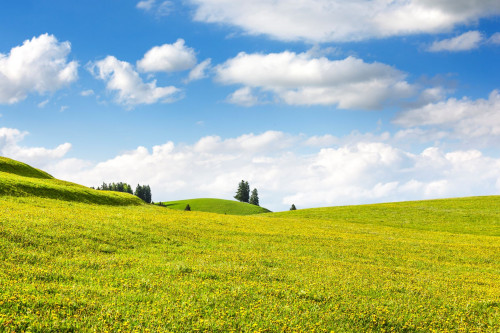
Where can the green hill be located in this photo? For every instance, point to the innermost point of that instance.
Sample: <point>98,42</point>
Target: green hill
<point>472,215</point>
<point>19,179</point>
<point>219,206</point>
<point>71,266</point>
<point>21,169</point>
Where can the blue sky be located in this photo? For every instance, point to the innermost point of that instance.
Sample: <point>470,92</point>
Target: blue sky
<point>314,102</point>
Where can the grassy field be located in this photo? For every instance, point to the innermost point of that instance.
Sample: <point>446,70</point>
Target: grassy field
<point>19,179</point>
<point>429,266</point>
<point>219,206</point>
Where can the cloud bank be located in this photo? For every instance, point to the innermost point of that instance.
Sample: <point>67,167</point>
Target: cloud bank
<point>466,118</point>
<point>301,79</point>
<point>333,171</point>
<point>339,20</point>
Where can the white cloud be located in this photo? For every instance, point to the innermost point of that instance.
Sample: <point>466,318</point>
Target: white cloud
<point>244,97</point>
<point>39,65</point>
<point>86,93</point>
<point>121,77</point>
<point>465,117</point>
<point>146,4</point>
<point>467,41</point>
<point>350,173</point>
<point>168,58</point>
<point>339,20</point>
<point>300,79</point>
<point>43,103</point>
<point>159,8</point>
<point>200,71</point>
<point>39,156</point>
<point>495,38</point>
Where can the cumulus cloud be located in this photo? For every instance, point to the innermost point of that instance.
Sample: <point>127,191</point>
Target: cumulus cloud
<point>9,147</point>
<point>467,41</point>
<point>300,79</point>
<point>168,58</point>
<point>465,117</point>
<point>39,65</point>
<point>339,20</point>
<point>121,77</point>
<point>244,97</point>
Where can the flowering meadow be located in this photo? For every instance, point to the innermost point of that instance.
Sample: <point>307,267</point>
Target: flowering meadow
<point>430,266</point>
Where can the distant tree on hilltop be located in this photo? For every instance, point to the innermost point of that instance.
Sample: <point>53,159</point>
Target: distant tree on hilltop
<point>143,192</point>
<point>243,192</point>
<point>254,198</point>
<point>293,207</point>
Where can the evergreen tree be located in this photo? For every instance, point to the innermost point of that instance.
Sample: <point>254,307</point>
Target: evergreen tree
<point>293,207</point>
<point>254,198</point>
<point>188,208</point>
<point>147,193</point>
<point>139,192</point>
<point>243,192</point>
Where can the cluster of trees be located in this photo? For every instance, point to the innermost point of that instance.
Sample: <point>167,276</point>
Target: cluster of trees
<point>243,194</point>
<point>143,192</point>
<point>118,187</point>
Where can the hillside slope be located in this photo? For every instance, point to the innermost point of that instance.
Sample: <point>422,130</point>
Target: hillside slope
<point>471,215</point>
<point>219,206</point>
<point>19,179</point>
<point>69,266</point>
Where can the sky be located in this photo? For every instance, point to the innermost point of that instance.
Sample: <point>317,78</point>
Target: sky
<point>313,102</point>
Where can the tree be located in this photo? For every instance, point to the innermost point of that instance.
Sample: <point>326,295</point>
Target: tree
<point>147,193</point>
<point>243,192</point>
<point>188,208</point>
<point>139,192</point>
<point>254,198</point>
<point>143,192</point>
<point>293,207</point>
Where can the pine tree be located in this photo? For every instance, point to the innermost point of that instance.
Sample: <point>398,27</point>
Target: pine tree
<point>254,198</point>
<point>243,192</point>
<point>147,193</point>
<point>139,192</point>
<point>188,208</point>
<point>293,207</point>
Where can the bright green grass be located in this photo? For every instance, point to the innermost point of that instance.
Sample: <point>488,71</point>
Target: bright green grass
<point>219,206</point>
<point>474,215</point>
<point>19,179</point>
<point>18,168</point>
<point>69,266</point>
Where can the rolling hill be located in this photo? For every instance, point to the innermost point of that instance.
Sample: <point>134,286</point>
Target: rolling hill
<point>71,266</point>
<point>219,206</point>
<point>20,179</point>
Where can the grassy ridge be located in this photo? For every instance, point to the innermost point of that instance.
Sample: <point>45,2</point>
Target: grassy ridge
<point>70,266</point>
<point>473,215</point>
<point>18,168</point>
<point>19,179</point>
<point>219,206</point>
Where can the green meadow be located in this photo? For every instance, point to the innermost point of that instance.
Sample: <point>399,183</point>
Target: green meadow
<point>119,265</point>
<point>219,206</point>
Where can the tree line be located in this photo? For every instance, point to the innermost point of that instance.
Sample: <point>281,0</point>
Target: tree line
<point>141,191</point>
